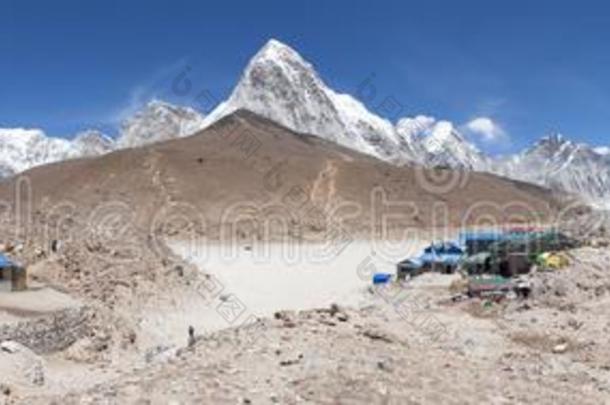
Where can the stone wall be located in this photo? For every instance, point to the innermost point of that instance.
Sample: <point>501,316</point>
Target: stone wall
<point>49,333</point>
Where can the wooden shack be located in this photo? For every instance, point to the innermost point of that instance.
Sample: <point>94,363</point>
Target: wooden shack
<point>19,279</point>
<point>14,273</point>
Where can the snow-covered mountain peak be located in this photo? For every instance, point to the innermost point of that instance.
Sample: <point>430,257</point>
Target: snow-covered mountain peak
<point>282,86</point>
<point>557,148</point>
<point>555,138</point>
<point>446,146</point>
<point>22,148</point>
<point>159,121</point>
<point>439,143</point>
<point>444,132</point>
<point>415,125</point>
<point>93,143</point>
<point>20,135</point>
<point>93,136</point>
<point>561,164</point>
<point>157,108</point>
<point>277,51</point>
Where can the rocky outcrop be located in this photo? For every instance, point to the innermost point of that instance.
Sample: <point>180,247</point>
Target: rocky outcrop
<point>49,333</point>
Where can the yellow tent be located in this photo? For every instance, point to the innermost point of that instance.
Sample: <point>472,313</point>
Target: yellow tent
<point>554,261</point>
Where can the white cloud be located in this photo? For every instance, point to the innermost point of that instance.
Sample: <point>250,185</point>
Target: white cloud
<point>487,129</point>
<point>603,150</point>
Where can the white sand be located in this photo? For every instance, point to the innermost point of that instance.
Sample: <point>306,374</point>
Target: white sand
<point>273,277</point>
<point>16,305</point>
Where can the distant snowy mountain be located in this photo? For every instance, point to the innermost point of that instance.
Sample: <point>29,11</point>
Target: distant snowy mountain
<point>280,85</point>
<point>92,143</point>
<point>439,143</point>
<point>22,149</point>
<point>560,164</point>
<point>159,121</point>
<point>412,131</point>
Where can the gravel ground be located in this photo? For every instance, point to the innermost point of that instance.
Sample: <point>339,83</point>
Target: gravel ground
<point>409,346</point>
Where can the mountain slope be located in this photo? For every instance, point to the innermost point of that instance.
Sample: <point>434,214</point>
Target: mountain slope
<point>307,184</point>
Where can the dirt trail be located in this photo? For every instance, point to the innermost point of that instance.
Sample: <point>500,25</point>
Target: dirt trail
<point>324,189</point>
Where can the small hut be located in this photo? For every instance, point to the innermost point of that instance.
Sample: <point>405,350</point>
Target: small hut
<point>10,271</point>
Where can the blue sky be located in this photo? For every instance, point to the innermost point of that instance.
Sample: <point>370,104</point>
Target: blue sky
<point>530,66</point>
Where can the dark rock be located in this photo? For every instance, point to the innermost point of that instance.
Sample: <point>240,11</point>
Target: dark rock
<point>375,334</point>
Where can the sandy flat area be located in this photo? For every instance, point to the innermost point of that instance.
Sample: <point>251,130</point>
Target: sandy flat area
<point>34,302</point>
<point>272,277</point>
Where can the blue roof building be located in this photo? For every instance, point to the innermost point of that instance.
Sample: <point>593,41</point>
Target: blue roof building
<point>5,262</point>
<point>443,257</point>
<point>17,275</point>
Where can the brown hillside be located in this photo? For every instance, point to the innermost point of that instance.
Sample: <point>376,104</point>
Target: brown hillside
<point>245,167</point>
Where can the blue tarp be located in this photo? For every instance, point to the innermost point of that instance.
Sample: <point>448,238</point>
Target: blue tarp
<point>446,259</point>
<point>5,262</point>
<point>381,278</point>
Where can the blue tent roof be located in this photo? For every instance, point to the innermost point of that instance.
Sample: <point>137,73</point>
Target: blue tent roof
<point>444,248</point>
<point>446,253</point>
<point>5,262</point>
<point>481,236</point>
<point>448,259</point>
